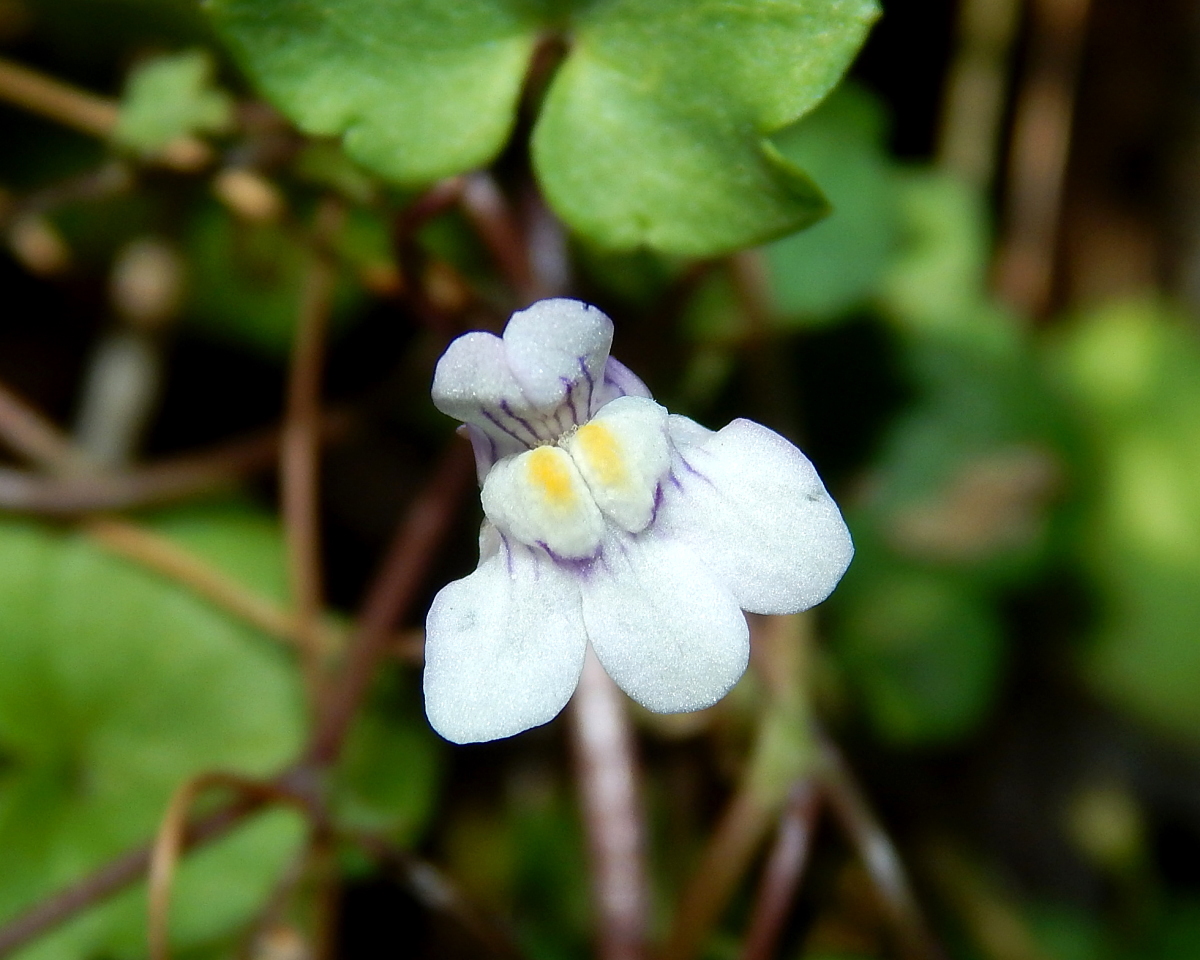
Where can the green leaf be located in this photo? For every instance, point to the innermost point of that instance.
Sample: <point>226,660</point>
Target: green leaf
<point>836,265</point>
<point>655,130</point>
<point>169,97</point>
<point>118,685</point>
<point>421,88</point>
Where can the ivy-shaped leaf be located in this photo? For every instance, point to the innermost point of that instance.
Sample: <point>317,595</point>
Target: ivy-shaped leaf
<point>118,685</point>
<point>654,131</point>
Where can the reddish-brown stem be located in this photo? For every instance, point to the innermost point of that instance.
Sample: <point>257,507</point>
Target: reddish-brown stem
<point>1041,142</point>
<point>785,866</point>
<point>33,437</point>
<point>300,446</point>
<point>878,854</point>
<point>738,835</point>
<point>612,814</point>
<point>170,480</point>
<point>395,587</point>
<point>489,213</point>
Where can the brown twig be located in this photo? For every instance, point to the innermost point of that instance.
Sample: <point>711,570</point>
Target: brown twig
<point>489,213</point>
<point>1041,142</point>
<point>158,553</point>
<point>782,755</point>
<point>33,437</point>
<point>875,849</point>
<point>178,478</point>
<point>783,871</point>
<point>976,89</point>
<point>300,444</point>
<point>395,587</point>
<point>607,773</point>
<point>59,101</point>
<point>172,837</point>
<point>738,835</point>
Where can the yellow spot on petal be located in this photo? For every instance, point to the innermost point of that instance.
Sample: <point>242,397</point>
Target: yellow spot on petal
<point>603,454</point>
<point>549,473</point>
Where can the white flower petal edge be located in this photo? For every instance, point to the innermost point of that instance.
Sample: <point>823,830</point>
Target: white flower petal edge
<point>504,646</point>
<point>754,509</point>
<point>666,631</point>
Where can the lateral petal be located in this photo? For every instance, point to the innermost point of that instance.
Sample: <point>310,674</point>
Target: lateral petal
<point>667,632</point>
<point>504,646</point>
<point>752,506</point>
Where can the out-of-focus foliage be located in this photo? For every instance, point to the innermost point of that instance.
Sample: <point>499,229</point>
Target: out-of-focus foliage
<point>429,90</point>
<point>117,686</point>
<point>1132,376</point>
<point>170,97</point>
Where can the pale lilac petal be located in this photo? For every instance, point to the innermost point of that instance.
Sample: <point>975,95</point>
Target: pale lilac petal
<point>473,383</point>
<point>618,381</point>
<point>503,647</point>
<point>623,453</point>
<point>556,350</point>
<point>669,634</point>
<point>753,508</point>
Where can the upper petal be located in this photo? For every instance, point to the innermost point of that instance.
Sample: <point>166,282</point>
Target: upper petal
<point>503,647</point>
<point>753,507</point>
<point>557,349</point>
<point>667,632</point>
<point>473,383</point>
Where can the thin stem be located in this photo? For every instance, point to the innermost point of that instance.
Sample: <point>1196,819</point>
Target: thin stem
<point>878,854</point>
<point>739,834</point>
<point>976,88</point>
<point>489,213</point>
<point>34,437</point>
<point>608,783</point>
<point>1041,143</point>
<point>300,445</point>
<point>436,891</point>
<point>395,587</point>
<point>59,101</point>
<point>171,840</point>
<point>164,556</point>
<point>178,478</point>
<point>784,869</point>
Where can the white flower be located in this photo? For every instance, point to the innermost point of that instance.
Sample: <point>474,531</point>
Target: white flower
<point>613,523</point>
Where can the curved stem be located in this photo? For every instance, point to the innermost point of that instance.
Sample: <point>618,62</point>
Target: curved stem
<point>612,814</point>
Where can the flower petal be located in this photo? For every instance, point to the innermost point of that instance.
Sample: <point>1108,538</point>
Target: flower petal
<point>540,499</point>
<point>666,631</point>
<point>556,350</point>
<point>752,506</point>
<point>618,381</point>
<point>503,647</point>
<point>473,383</point>
<point>623,453</point>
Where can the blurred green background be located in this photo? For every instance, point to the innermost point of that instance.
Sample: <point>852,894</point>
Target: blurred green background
<point>989,348</point>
